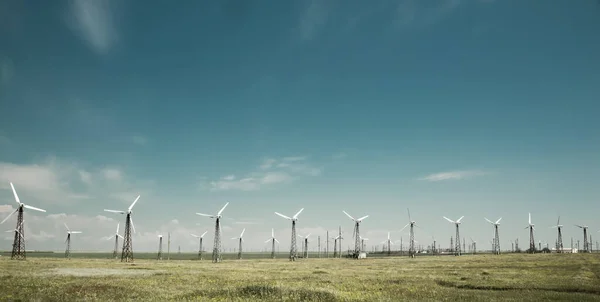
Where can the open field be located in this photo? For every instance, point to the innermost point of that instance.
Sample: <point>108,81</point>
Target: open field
<point>510,277</point>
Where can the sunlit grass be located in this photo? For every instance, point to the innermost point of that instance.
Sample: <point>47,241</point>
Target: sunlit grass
<point>512,277</point>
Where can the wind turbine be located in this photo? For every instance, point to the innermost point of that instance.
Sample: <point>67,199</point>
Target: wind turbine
<point>356,234</point>
<point>18,251</point>
<point>127,253</point>
<point>559,243</point>
<point>116,249</point>
<point>216,255</point>
<point>457,239</point>
<point>159,256</point>
<point>389,243</point>
<point>68,241</point>
<point>585,237</point>
<point>496,247</point>
<point>273,240</point>
<point>200,244</point>
<point>305,245</point>
<point>531,239</point>
<point>293,247</point>
<point>241,239</point>
<point>412,223</point>
<point>474,245</point>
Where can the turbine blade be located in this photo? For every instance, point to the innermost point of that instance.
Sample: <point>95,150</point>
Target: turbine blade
<point>498,221</point>
<point>195,235</point>
<point>272,233</point>
<point>121,236</point>
<point>118,228</point>
<point>558,221</point>
<point>114,211</point>
<point>488,220</point>
<point>131,206</point>
<point>222,209</point>
<point>529,218</point>
<point>132,225</point>
<point>242,234</point>
<point>349,215</point>
<point>361,219</point>
<point>15,194</point>
<point>75,232</point>
<point>448,219</point>
<point>33,208</point>
<point>459,219</point>
<point>66,226</point>
<point>308,235</point>
<point>268,240</point>
<point>109,237</point>
<point>203,234</point>
<point>276,240</point>
<point>409,219</point>
<point>405,227</point>
<point>11,213</point>
<point>283,216</point>
<point>296,216</point>
<point>388,235</point>
<point>205,215</point>
<point>578,226</point>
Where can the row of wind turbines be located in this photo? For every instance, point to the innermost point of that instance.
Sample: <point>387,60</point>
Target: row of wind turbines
<point>18,251</point>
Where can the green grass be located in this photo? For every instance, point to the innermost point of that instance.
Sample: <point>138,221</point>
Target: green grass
<point>510,277</point>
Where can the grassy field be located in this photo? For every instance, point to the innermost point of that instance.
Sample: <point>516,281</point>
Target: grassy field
<point>509,277</point>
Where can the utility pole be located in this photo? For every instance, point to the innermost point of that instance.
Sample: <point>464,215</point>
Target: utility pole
<point>327,246</point>
<point>169,247</point>
<point>319,243</point>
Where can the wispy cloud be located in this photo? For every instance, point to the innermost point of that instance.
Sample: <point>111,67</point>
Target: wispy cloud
<point>413,13</point>
<point>139,140</point>
<point>313,18</point>
<point>270,172</point>
<point>53,181</point>
<point>453,175</point>
<point>93,21</point>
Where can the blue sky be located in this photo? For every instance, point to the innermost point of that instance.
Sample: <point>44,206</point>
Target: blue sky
<point>449,107</point>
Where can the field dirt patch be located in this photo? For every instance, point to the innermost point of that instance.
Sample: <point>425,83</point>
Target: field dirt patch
<point>99,272</point>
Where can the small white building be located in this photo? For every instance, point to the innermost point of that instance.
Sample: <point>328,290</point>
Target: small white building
<point>566,250</point>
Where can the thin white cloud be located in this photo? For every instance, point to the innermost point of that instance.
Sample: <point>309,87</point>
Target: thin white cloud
<point>139,140</point>
<point>413,13</point>
<point>313,18</point>
<point>112,174</point>
<point>453,175</point>
<point>93,21</point>
<point>271,171</point>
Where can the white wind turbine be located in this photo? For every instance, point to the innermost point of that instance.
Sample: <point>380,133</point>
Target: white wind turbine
<point>68,241</point>
<point>127,252</point>
<point>200,244</point>
<point>457,239</point>
<point>293,247</point>
<point>241,239</point>
<point>357,243</point>
<point>18,251</point>
<point>273,240</point>
<point>305,245</point>
<point>496,247</point>
<point>586,248</point>
<point>411,246</point>
<point>389,244</point>
<point>531,228</point>
<point>116,249</point>
<point>559,243</point>
<point>216,255</point>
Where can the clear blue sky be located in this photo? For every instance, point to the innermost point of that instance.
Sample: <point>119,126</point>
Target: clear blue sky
<point>279,105</point>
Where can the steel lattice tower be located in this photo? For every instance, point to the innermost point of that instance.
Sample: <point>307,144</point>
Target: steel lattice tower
<point>340,243</point>
<point>531,240</point>
<point>200,249</point>
<point>585,240</point>
<point>18,251</point>
<point>457,242</point>
<point>357,239</point>
<point>559,244</point>
<point>127,253</point>
<point>496,241</point>
<point>335,247</point>
<point>159,256</point>
<point>68,250</point>
<point>240,249</point>
<point>216,254</point>
<point>273,248</point>
<point>389,247</point>
<point>116,249</point>
<point>293,246</point>
<point>305,247</point>
<point>411,246</point>
<point>451,244</point>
